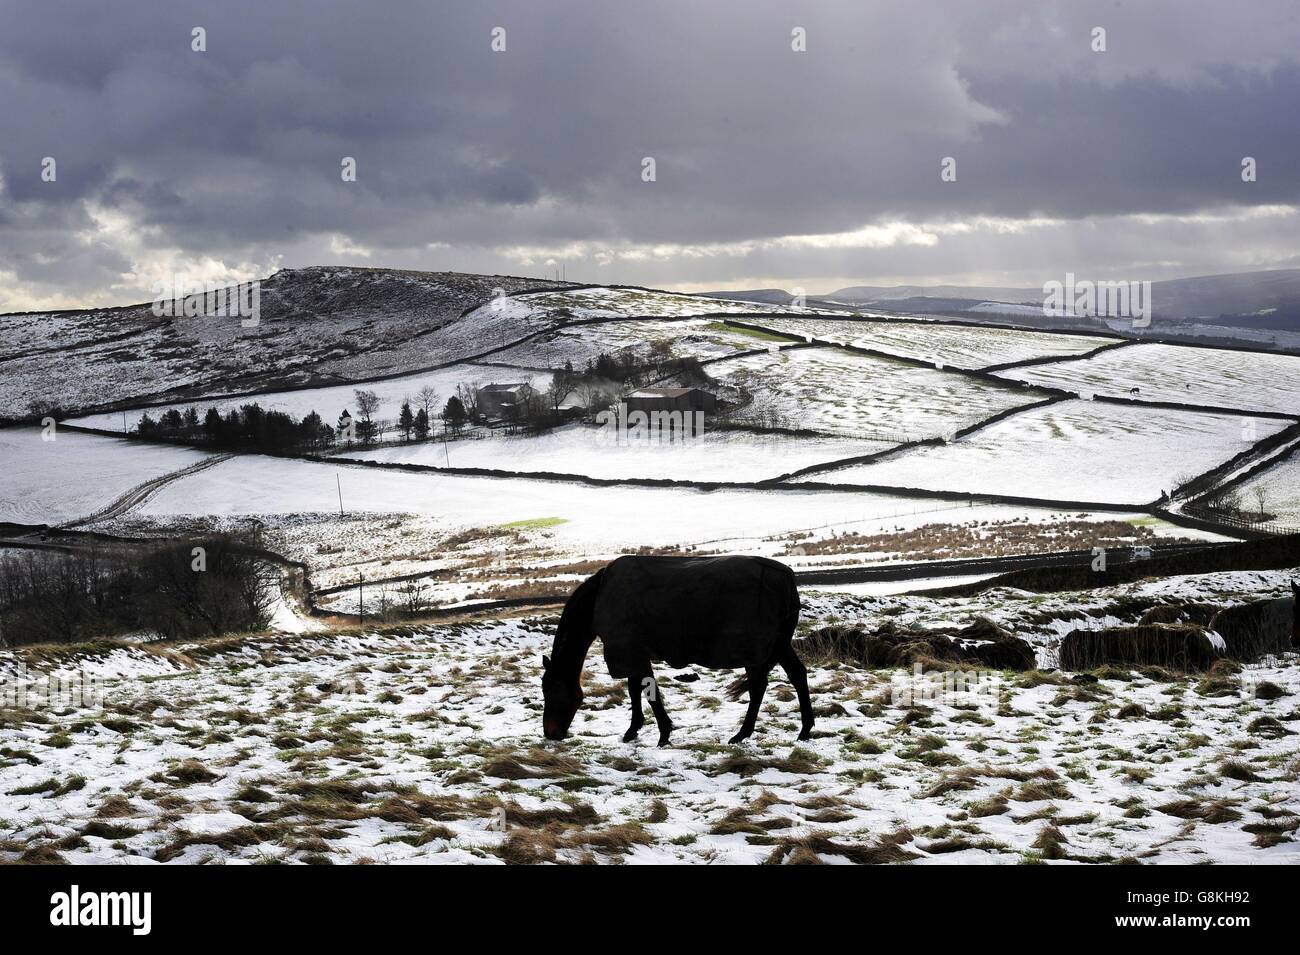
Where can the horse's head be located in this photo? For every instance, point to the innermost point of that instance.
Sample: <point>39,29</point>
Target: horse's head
<point>562,677</point>
<point>561,697</point>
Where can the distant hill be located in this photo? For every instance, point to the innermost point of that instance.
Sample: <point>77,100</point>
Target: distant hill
<point>867,294</point>
<point>764,296</point>
<point>317,324</point>
<point>1240,298</point>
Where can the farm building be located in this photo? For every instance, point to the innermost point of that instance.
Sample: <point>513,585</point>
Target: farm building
<point>503,400</point>
<point>670,399</point>
<point>678,411</point>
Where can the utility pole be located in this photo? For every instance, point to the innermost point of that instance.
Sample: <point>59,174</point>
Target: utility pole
<point>446,453</point>
<point>361,596</point>
<point>339,484</point>
<point>124,431</point>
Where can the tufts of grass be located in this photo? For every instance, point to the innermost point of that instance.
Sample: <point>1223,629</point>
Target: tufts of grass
<point>808,850</point>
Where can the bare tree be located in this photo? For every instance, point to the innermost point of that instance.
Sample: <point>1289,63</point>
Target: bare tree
<point>1260,493</point>
<point>427,398</point>
<point>367,405</point>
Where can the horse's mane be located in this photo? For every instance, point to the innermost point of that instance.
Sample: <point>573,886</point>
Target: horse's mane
<point>576,619</point>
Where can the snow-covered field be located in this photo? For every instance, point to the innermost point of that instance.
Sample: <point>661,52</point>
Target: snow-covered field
<point>424,745</point>
<point>74,475</point>
<point>599,452</point>
<point>854,395</point>
<point>583,518</point>
<point>1280,486</point>
<point>563,304</point>
<point>702,338</point>
<point>1069,451</point>
<point>946,345</point>
<point>1251,381</point>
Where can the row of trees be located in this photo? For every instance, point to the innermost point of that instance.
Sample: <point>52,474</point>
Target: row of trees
<point>208,587</point>
<point>252,427</point>
<point>595,386</point>
<point>249,426</point>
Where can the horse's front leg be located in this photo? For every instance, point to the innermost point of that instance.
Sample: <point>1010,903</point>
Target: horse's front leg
<point>656,696</point>
<point>634,684</point>
<point>757,687</point>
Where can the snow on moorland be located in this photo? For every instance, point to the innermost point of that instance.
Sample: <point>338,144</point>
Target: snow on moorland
<point>854,395</point>
<point>598,452</point>
<point>951,346</point>
<point>1070,451</point>
<point>424,745</point>
<point>1251,381</point>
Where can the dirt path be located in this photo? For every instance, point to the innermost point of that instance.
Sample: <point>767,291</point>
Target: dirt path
<point>142,492</point>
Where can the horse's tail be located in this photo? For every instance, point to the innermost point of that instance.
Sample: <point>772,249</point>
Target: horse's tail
<point>790,619</point>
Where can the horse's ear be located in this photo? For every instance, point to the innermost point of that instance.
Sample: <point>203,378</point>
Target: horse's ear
<point>546,661</point>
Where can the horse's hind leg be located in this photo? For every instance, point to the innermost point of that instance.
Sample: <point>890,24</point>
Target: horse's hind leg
<point>757,687</point>
<point>657,707</point>
<point>798,674</point>
<point>634,684</point>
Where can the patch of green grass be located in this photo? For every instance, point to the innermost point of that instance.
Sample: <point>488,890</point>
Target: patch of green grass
<point>749,333</point>
<point>536,523</point>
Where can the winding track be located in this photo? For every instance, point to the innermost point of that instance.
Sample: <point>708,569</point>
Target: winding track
<point>142,492</point>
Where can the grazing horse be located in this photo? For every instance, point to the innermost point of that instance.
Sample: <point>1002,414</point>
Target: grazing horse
<point>717,612</point>
<point>1266,626</point>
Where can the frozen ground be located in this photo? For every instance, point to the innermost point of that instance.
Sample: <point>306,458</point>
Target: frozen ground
<point>701,338</point>
<point>597,452</point>
<point>565,304</point>
<point>1070,451</point>
<point>1251,381</point>
<point>580,519</point>
<point>424,745</point>
<point>946,345</point>
<point>74,475</point>
<point>1280,486</point>
<point>854,395</point>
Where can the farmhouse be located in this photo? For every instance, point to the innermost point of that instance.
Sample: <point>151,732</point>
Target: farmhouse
<point>503,400</point>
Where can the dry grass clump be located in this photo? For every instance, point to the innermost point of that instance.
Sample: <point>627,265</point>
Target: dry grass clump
<point>242,837</point>
<point>1268,690</point>
<point>44,854</point>
<point>1272,833</point>
<point>1037,791</point>
<point>1240,771</point>
<point>1217,811</point>
<point>745,819</point>
<point>186,773</point>
<point>799,761</point>
<point>531,846</point>
<point>968,777</point>
<point>1051,843</point>
<point>1268,727</point>
<point>118,807</point>
<point>808,849</point>
<point>534,763</point>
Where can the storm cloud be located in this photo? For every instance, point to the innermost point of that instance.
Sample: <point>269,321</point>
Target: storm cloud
<point>811,169</point>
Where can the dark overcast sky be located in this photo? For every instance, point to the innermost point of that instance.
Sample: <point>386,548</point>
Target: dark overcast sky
<point>813,170</point>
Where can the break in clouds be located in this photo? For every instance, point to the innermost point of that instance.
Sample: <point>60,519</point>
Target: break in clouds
<point>816,168</point>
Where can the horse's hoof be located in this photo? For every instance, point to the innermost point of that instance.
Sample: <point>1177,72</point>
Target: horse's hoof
<point>738,738</point>
<point>663,740</point>
<point>805,735</point>
<point>629,736</point>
